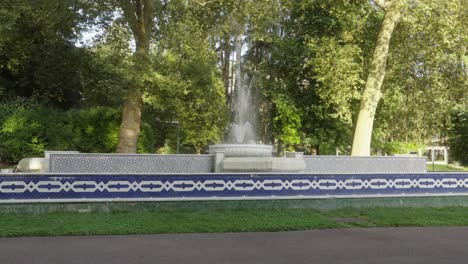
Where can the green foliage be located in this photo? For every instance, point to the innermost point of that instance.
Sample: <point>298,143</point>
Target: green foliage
<point>334,60</point>
<point>458,138</point>
<point>146,140</point>
<point>309,60</point>
<point>287,122</point>
<point>395,147</point>
<point>93,130</point>
<point>38,57</point>
<point>316,62</point>
<point>426,78</point>
<point>28,128</point>
<point>96,130</point>
<point>108,72</point>
<point>189,87</point>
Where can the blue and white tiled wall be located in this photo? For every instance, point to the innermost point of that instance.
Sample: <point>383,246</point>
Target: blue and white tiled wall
<point>16,188</point>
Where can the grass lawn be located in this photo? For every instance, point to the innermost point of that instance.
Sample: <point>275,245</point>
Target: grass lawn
<point>239,220</point>
<point>442,167</point>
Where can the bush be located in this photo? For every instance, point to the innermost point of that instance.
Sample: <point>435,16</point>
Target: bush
<point>93,130</point>
<point>146,141</point>
<point>28,128</point>
<point>96,130</point>
<point>395,147</point>
<point>458,138</point>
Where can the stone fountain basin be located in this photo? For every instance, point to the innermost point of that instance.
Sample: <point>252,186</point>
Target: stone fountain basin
<point>242,150</point>
<point>263,164</point>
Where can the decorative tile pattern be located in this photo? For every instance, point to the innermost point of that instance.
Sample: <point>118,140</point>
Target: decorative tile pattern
<point>130,163</point>
<point>348,164</point>
<point>225,186</point>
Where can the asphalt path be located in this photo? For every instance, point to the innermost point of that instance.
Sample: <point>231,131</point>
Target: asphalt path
<point>372,245</point>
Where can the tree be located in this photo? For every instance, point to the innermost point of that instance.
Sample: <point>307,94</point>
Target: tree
<point>183,97</point>
<point>313,57</point>
<point>372,91</point>
<point>422,90</point>
<point>110,67</point>
<point>177,79</point>
<point>38,56</point>
<point>436,26</point>
<point>139,14</point>
<point>190,89</point>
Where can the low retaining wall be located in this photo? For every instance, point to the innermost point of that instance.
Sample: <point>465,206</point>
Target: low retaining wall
<point>349,164</point>
<point>130,163</point>
<point>135,163</point>
<point>27,188</point>
<point>322,204</point>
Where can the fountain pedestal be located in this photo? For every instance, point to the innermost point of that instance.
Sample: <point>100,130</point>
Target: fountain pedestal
<point>254,158</point>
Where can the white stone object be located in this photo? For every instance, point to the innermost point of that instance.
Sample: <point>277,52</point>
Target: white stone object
<point>243,150</point>
<point>219,157</point>
<point>254,158</point>
<point>35,165</point>
<point>263,164</point>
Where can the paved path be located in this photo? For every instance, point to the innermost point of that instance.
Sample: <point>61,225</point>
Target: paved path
<point>376,245</point>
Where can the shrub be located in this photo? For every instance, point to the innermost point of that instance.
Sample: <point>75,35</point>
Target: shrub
<point>96,130</point>
<point>27,128</point>
<point>458,138</point>
<point>146,141</point>
<point>396,147</point>
<point>93,130</point>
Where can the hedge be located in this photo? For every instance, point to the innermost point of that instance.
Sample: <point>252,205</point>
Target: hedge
<point>27,128</point>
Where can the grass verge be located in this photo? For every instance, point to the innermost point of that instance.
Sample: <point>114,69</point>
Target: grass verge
<point>443,167</point>
<point>208,221</point>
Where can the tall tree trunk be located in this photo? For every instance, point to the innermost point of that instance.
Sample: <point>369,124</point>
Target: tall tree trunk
<point>131,114</point>
<point>227,64</point>
<point>238,46</point>
<point>139,15</point>
<point>465,65</point>
<point>372,91</point>
<point>237,72</point>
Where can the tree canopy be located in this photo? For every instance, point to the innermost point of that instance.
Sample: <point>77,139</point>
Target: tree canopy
<point>325,75</point>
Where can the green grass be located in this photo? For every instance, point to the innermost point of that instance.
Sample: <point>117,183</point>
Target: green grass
<point>442,167</point>
<point>208,221</point>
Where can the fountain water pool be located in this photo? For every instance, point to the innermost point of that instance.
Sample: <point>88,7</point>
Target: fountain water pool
<point>242,154</point>
<point>243,150</point>
<point>254,158</point>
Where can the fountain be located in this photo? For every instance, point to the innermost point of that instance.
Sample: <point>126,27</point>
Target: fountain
<point>108,177</point>
<point>242,153</point>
